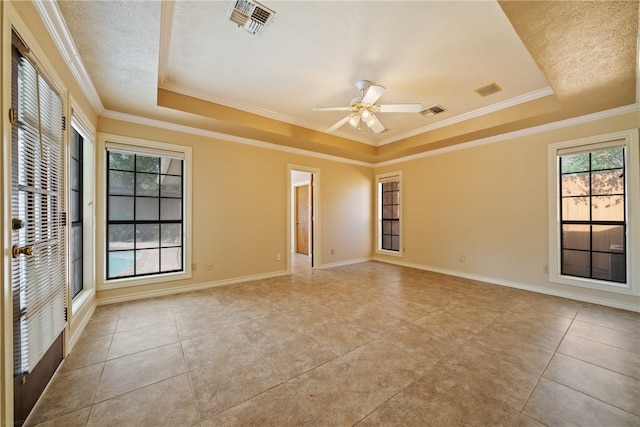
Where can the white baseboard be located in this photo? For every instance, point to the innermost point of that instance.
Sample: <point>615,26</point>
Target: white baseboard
<point>181,289</point>
<point>517,285</point>
<point>343,263</point>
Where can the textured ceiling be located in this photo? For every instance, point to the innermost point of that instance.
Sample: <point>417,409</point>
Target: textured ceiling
<point>184,62</point>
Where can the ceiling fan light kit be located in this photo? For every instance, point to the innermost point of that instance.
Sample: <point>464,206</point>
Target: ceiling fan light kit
<point>363,108</point>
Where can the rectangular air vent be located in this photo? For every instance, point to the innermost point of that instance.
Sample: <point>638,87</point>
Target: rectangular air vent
<point>432,111</point>
<point>251,15</point>
<point>487,90</point>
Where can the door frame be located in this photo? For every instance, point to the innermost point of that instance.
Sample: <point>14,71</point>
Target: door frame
<point>314,217</point>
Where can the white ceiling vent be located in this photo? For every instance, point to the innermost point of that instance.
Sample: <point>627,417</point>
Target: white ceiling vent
<point>432,111</point>
<point>251,15</point>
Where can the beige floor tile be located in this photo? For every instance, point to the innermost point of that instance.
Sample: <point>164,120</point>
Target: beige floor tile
<point>273,408</point>
<point>478,371</point>
<point>606,356</point>
<point>525,355</point>
<point>339,394</point>
<point>369,343</point>
<point>339,335</point>
<point>294,354</point>
<point>391,414</point>
<point>144,317</point>
<point>211,349</point>
<point>241,376</point>
<point>67,392</point>
<point>138,370</point>
<point>612,318</point>
<point>166,403</point>
<point>441,401</point>
<point>88,350</point>
<point>140,339</point>
<point>618,390</point>
<point>554,404</point>
<point>74,419</point>
<point>602,334</point>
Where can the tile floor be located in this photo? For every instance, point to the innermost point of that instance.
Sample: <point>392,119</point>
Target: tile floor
<point>368,344</point>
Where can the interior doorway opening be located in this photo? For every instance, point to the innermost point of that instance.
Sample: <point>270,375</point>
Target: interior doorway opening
<point>302,214</point>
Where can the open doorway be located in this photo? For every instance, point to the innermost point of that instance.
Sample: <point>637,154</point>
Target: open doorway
<point>302,214</point>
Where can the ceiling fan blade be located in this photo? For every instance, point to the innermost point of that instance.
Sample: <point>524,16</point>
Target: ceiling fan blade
<point>373,93</point>
<point>330,108</point>
<point>400,108</point>
<point>374,124</point>
<point>340,123</point>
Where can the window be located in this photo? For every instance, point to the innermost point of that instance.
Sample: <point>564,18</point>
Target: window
<point>146,206</point>
<point>76,214</point>
<point>595,199</point>
<point>389,222</point>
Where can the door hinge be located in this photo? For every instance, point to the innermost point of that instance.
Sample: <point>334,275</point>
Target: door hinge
<point>64,123</point>
<point>12,116</point>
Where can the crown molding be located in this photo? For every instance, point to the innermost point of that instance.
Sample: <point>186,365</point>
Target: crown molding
<point>224,137</point>
<point>521,133</point>
<point>50,14</point>
<point>531,96</point>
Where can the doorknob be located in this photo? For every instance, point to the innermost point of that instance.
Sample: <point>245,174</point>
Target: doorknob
<point>17,251</point>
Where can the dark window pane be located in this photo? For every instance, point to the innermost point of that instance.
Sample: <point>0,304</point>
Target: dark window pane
<point>607,159</point>
<point>147,184</point>
<point>76,277</point>
<point>171,166</point>
<point>575,185</point>
<point>120,208</point>
<point>576,236</point>
<point>147,236</point>
<point>395,243</point>
<point>148,261</point>
<point>607,208</point>
<point>575,208</point>
<point>76,242</point>
<point>609,267</point>
<point>171,259</point>
<point>147,164</point>
<point>395,228</point>
<point>121,236</point>
<point>386,227</point>
<point>171,234</point>
<point>121,161</point>
<point>147,209</point>
<point>607,182</point>
<point>121,264</point>
<point>574,163</point>
<point>75,174</point>
<point>121,183</point>
<point>171,186</point>
<point>386,242</point>
<point>576,263</point>
<point>171,209</point>
<point>76,211</point>
<point>608,238</point>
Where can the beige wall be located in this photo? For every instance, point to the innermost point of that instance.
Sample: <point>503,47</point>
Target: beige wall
<point>239,214</point>
<point>489,203</point>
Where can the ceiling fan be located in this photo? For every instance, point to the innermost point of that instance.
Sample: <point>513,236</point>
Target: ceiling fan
<point>363,108</point>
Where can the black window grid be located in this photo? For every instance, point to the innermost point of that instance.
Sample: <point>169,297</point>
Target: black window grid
<point>591,222</point>
<point>160,247</point>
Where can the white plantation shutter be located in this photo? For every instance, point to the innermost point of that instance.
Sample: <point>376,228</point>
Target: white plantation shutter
<point>39,280</point>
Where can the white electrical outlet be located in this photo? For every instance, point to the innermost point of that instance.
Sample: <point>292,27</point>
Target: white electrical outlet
<point>278,257</point>
<point>462,258</point>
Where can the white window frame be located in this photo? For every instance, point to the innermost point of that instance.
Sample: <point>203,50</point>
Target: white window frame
<point>628,139</point>
<point>389,176</point>
<point>79,123</point>
<point>150,147</point>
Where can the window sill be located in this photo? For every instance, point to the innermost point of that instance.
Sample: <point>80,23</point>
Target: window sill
<point>600,285</point>
<point>130,282</point>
